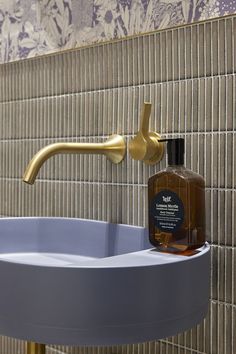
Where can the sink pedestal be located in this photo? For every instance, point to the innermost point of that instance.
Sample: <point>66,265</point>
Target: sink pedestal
<point>35,348</point>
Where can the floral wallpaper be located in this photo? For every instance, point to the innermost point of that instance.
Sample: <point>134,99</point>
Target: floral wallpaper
<point>35,27</point>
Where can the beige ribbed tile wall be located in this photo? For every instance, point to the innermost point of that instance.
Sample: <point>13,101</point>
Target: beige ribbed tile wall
<point>193,51</point>
<point>188,73</point>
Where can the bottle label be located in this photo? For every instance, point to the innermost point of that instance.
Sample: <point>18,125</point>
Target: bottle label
<point>167,211</point>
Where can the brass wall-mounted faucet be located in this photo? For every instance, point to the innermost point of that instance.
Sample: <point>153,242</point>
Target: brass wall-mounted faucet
<point>114,149</point>
<point>145,146</point>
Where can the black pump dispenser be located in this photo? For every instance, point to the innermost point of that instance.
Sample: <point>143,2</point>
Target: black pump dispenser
<point>175,151</point>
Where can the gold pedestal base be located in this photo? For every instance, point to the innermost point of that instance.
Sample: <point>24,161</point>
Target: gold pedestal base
<point>35,348</point>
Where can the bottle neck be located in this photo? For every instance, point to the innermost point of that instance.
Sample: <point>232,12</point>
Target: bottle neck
<point>174,167</point>
<point>175,160</point>
<point>175,151</point>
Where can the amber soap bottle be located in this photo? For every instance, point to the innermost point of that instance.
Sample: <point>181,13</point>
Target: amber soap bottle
<point>176,204</point>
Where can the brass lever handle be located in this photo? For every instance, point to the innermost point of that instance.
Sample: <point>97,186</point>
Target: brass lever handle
<point>145,146</point>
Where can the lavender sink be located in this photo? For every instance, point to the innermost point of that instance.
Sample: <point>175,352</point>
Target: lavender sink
<point>82,282</point>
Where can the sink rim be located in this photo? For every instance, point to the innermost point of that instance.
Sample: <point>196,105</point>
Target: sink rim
<point>144,258</point>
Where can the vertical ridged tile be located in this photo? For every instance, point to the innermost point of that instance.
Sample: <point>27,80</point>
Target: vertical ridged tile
<point>223,274</point>
<point>194,51</point>
<point>229,44</point>
<point>201,50</point>
<point>11,346</point>
<point>215,47</point>
<point>160,54</point>
<point>222,46</point>
<point>188,53</point>
<point>157,56</point>
<point>234,43</point>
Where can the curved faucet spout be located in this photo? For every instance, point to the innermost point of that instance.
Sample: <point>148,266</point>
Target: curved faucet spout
<point>114,149</point>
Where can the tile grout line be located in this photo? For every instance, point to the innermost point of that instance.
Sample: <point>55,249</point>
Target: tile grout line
<point>45,180</point>
<point>129,135</point>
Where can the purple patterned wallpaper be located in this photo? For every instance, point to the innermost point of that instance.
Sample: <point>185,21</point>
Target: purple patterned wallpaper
<point>35,27</point>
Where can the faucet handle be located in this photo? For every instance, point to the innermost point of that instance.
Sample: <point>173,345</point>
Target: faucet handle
<point>145,146</point>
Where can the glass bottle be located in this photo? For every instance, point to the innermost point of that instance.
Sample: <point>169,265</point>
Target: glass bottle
<point>176,204</point>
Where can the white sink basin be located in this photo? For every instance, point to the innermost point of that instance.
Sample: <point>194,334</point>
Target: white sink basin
<point>82,282</point>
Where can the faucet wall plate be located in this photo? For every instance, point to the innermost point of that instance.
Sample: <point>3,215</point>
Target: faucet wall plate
<point>82,282</point>
<point>157,157</point>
